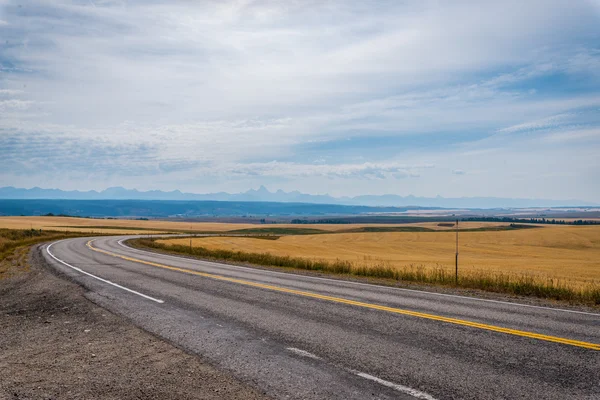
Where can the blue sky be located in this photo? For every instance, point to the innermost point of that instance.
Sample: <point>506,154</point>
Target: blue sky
<point>416,97</point>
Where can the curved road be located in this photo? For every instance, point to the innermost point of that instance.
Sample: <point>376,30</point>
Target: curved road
<point>302,337</point>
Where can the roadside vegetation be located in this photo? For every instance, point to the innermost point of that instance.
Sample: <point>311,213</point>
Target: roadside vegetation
<point>569,253</point>
<point>15,244</point>
<point>521,284</point>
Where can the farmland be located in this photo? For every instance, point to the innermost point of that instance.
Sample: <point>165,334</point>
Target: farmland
<point>569,253</point>
<point>116,226</point>
<point>555,261</point>
<point>133,226</point>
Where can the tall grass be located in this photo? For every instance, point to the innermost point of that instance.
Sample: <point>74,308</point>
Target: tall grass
<point>10,239</point>
<point>500,282</point>
<point>15,243</point>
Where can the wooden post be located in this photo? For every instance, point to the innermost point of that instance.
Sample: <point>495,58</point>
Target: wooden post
<point>456,258</point>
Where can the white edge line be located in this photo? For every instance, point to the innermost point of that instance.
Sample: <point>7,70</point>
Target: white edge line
<point>400,388</point>
<point>97,277</point>
<point>422,292</point>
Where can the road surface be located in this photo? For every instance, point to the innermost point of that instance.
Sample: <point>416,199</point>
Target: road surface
<point>303,337</point>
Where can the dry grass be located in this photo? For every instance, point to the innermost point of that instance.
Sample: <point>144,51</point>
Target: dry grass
<point>15,244</point>
<point>566,252</point>
<point>569,253</point>
<point>512,283</point>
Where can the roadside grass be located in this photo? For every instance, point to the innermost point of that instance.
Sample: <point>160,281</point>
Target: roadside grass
<point>500,282</point>
<point>566,252</point>
<point>15,244</point>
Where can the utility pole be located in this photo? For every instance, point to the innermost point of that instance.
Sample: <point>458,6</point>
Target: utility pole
<point>456,259</point>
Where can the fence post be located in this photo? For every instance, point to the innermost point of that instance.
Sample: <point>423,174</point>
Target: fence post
<point>456,258</point>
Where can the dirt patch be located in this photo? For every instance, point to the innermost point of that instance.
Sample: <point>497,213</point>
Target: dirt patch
<point>54,343</point>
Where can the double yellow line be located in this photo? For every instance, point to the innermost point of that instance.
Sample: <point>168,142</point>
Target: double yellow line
<point>531,335</point>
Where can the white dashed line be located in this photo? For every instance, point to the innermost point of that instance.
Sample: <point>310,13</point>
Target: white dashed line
<point>417,394</point>
<point>399,388</point>
<point>303,353</point>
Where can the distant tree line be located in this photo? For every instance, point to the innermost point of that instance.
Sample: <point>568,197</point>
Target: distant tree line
<point>62,215</point>
<point>80,216</point>
<point>533,220</point>
<point>318,221</point>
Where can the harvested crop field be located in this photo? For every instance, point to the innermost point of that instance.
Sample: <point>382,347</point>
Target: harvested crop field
<point>80,225</point>
<point>130,226</point>
<point>115,226</point>
<point>570,253</point>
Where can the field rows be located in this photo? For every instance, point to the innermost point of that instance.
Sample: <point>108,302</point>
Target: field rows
<point>570,253</point>
<point>119,226</point>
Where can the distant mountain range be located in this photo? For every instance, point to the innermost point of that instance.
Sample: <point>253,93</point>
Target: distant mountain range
<point>264,195</point>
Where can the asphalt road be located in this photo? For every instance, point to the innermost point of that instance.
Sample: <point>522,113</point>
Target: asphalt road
<point>302,337</point>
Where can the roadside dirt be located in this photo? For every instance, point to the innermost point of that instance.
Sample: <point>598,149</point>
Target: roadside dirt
<point>56,344</point>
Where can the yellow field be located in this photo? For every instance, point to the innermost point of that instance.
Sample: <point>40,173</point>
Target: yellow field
<point>154,226</point>
<point>91,224</point>
<point>76,224</point>
<point>567,252</point>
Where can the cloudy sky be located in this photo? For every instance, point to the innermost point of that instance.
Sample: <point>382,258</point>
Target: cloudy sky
<point>428,98</point>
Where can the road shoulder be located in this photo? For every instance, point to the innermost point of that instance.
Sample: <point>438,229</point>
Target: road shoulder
<point>55,343</point>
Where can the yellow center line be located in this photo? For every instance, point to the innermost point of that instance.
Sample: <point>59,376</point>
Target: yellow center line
<point>456,321</point>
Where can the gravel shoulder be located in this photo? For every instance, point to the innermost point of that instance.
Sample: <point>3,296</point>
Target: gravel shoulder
<point>55,343</point>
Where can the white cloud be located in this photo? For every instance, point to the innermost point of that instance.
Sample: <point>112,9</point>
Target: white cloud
<point>10,92</point>
<point>573,135</point>
<point>382,170</point>
<point>550,122</point>
<point>224,88</point>
<point>14,104</point>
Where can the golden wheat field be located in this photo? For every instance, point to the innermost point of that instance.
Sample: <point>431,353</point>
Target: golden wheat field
<point>117,226</point>
<point>79,225</point>
<point>123,226</point>
<point>566,252</point>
